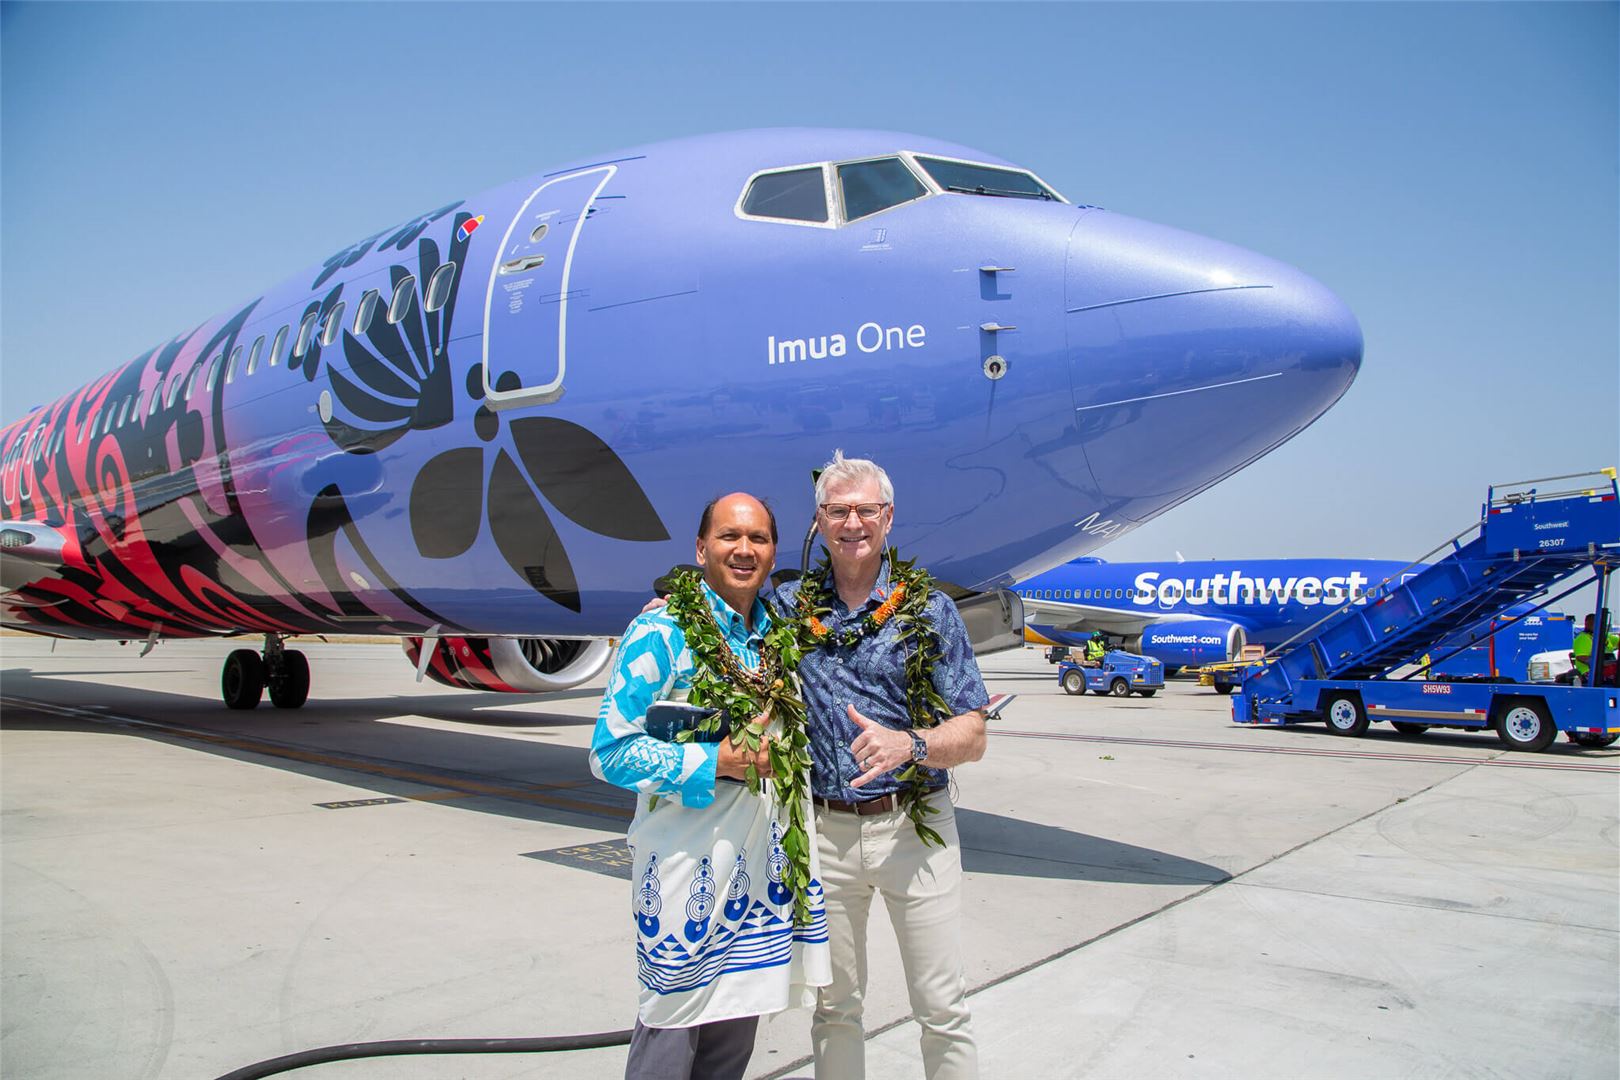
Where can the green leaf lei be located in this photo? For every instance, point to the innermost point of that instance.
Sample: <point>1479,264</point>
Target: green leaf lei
<point>720,681</point>
<point>907,604</point>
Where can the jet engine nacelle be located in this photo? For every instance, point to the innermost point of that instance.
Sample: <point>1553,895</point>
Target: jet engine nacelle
<point>1192,643</point>
<point>512,665</point>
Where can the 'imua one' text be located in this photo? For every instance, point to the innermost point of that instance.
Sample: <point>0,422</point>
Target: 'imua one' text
<point>869,338</point>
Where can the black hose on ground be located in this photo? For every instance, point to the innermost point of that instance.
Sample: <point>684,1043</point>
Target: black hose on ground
<point>401,1047</point>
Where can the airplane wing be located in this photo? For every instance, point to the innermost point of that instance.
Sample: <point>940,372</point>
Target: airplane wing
<point>1084,618</point>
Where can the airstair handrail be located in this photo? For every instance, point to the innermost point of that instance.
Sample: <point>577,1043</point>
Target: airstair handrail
<point>1379,590</point>
<point>1491,498</point>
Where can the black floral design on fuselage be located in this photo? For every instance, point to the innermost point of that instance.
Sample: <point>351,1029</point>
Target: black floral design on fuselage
<point>398,380</point>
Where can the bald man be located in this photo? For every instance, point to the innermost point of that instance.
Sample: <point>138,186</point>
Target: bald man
<point>716,947</point>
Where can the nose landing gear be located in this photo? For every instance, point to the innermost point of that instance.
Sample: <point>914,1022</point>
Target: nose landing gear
<point>247,674</point>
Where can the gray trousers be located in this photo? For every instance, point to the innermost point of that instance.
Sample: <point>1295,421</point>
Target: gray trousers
<point>717,1051</point>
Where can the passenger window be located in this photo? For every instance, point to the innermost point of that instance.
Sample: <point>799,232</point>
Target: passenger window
<point>276,346</point>
<point>213,372</point>
<point>400,305</point>
<point>236,355</point>
<point>334,324</point>
<point>870,186</point>
<point>174,391</point>
<point>438,289</point>
<point>191,381</point>
<point>123,413</point>
<point>967,178</point>
<point>363,312</point>
<point>797,195</point>
<point>306,331</point>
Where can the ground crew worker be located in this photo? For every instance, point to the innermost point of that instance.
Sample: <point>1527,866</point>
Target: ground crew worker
<point>1096,648</point>
<point>1581,652</point>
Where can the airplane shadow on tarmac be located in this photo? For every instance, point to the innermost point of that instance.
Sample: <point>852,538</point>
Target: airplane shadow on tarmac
<point>352,742</point>
<point>996,844</point>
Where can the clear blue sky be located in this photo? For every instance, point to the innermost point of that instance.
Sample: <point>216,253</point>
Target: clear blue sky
<point>1449,169</point>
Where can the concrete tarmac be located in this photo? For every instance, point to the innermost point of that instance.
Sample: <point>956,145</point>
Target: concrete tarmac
<point>1151,891</point>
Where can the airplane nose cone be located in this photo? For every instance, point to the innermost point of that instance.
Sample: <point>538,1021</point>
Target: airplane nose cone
<point>1189,357</point>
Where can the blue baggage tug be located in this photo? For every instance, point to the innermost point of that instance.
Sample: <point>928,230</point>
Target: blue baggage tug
<point>1341,670</point>
<point>1120,674</point>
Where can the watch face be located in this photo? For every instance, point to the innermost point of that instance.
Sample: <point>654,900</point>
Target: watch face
<point>919,748</point>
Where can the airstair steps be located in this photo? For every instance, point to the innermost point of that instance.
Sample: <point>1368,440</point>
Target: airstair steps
<point>1506,563</point>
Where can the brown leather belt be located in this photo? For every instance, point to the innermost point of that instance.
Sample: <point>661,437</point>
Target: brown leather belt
<point>883,804</point>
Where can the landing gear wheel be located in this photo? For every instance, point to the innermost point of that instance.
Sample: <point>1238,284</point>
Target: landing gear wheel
<point>1404,728</point>
<point>1074,682</point>
<point>1223,688</point>
<point>1148,693</point>
<point>1119,688</point>
<point>1591,738</point>
<point>1524,724</point>
<point>289,687</point>
<point>1345,715</point>
<point>241,684</point>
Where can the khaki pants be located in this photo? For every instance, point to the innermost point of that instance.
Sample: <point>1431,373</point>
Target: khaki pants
<point>921,886</point>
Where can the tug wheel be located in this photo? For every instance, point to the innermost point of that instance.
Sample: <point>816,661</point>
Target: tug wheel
<point>1119,688</point>
<point>1073,682</point>
<point>1407,729</point>
<point>1591,738</point>
<point>1148,692</point>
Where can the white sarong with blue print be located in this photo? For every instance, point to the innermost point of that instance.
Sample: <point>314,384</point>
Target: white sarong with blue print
<point>714,929</point>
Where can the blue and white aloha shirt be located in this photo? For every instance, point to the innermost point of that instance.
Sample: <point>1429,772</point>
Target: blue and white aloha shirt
<point>714,923</point>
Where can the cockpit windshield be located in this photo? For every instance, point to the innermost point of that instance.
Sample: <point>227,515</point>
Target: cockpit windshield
<point>790,195</point>
<point>968,178</point>
<point>830,195</point>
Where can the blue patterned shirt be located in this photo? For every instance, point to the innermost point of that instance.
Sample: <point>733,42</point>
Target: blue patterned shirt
<point>654,664</point>
<point>871,675</point>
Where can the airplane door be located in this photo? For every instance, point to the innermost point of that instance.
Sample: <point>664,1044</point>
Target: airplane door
<point>526,307</point>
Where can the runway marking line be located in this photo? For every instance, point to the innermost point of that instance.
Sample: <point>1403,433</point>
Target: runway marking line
<point>1516,762</point>
<point>458,788</point>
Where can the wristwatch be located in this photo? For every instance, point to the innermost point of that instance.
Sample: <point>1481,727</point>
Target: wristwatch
<point>919,748</point>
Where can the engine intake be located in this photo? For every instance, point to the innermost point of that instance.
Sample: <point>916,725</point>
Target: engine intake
<point>1192,642</point>
<point>512,665</point>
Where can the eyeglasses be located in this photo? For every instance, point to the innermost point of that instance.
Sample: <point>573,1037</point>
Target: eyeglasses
<point>841,511</point>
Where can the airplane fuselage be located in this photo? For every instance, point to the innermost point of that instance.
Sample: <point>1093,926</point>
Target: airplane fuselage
<point>1196,612</point>
<point>583,357</point>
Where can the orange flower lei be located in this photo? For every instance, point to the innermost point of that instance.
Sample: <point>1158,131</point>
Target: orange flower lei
<point>908,601</point>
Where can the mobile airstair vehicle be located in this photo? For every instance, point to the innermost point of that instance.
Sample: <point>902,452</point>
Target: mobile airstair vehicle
<point>1527,542</point>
